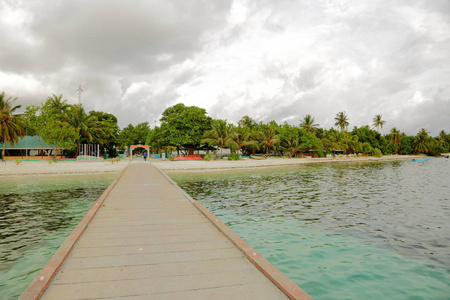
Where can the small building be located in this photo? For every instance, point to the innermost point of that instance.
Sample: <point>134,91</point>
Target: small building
<point>31,147</point>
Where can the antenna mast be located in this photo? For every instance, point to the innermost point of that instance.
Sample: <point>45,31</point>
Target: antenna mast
<point>79,90</point>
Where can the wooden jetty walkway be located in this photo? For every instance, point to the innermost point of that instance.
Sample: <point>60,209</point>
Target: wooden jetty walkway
<point>147,239</point>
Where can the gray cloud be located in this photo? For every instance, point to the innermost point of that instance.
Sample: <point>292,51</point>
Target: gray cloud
<point>271,60</point>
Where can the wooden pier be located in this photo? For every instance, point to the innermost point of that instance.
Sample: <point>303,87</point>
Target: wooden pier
<point>147,239</point>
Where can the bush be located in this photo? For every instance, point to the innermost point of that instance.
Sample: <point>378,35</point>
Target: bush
<point>208,156</point>
<point>319,154</point>
<point>172,157</point>
<point>233,156</point>
<point>377,152</point>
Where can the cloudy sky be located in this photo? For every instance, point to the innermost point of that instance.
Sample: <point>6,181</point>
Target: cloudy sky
<point>270,60</point>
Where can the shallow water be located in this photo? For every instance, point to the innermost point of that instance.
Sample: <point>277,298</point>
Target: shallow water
<point>347,231</point>
<point>37,213</point>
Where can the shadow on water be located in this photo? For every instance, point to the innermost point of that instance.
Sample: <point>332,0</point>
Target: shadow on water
<point>342,230</point>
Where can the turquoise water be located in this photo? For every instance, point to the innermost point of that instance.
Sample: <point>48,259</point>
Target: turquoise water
<point>37,213</point>
<point>347,231</point>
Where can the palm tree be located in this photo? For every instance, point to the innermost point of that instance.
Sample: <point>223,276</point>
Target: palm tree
<point>10,129</point>
<point>378,122</point>
<point>341,120</point>
<point>219,135</point>
<point>241,137</point>
<point>421,143</point>
<point>268,137</point>
<point>396,137</point>
<point>57,103</point>
<point>81,122</point>
<point>308,124</point>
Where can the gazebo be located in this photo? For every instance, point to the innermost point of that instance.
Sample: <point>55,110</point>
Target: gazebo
<point>29,147</point>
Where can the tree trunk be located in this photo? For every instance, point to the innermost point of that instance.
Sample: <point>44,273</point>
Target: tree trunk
<point>3,150</point>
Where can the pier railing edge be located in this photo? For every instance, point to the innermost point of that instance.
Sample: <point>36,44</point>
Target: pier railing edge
<point>40,283</point>
<point>286,285</point>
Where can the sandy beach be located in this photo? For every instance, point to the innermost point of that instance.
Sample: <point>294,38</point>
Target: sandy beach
<point>10,168</point>
<point>223,164</point>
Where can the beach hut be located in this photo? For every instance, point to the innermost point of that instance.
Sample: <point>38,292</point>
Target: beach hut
<point>30,147</point>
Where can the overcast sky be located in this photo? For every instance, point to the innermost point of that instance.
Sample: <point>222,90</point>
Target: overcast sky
<point>270,60</point>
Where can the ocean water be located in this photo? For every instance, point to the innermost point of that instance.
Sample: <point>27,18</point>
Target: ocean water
<point>342,231</point>
<point>37,213</point>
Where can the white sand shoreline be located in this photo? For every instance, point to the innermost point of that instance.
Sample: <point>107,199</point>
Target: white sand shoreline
<point>224,165</point>
<point>31,168</point>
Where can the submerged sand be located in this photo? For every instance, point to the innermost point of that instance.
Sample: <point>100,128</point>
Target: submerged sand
<point>10,168</point>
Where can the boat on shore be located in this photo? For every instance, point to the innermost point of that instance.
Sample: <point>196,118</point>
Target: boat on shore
<point>422,159</point>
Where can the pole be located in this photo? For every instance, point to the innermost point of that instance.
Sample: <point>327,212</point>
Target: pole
<point>79,90</point>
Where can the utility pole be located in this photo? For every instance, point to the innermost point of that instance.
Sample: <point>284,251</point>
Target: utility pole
<point>79,90</point>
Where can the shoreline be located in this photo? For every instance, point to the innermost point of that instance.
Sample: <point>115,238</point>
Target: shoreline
<point>33,168</point>
<point>248,164</point>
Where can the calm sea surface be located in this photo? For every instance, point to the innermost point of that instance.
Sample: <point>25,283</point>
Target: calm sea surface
<point>37,213</point>
<point>342,231</point>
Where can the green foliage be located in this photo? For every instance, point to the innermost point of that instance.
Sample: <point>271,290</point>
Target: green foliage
<point>308,124</point>
<point>233,156</point>
<point>134,135</point>
<point>376,152</point>
<point>208,156</point>
<point>219,135</point>
<point>184,126</point>
<point>10,125</point>
<point>341,120</point>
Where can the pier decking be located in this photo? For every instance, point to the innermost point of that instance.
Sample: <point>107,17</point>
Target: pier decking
<point>149,240</point>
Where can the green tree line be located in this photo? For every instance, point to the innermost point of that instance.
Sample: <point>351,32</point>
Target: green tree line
<point>186,128</point>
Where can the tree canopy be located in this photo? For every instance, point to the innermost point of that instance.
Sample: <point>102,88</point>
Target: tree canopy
<point>184,126</point>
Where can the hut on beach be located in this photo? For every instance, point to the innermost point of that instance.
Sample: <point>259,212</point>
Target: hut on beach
<point>31,148</point>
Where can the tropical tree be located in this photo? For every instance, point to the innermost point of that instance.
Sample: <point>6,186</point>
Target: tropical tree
<point>421,143</point>
<point>289,137</point>
<point>10,127</point>
<point>104,131</point>
<point>153,139</point>
<point>81,122</point>
<point>308,141</point>
<point>184,126</point>
<point>246,121</point>
<point>378,122</point>
<point>241,137</point>
<point>219,135</point>
<point>308,124</point>
<point>396,138</point>
<point>269,136</point>
<point>57,103</point>
<point>444,140</point>
<point>341,121</point>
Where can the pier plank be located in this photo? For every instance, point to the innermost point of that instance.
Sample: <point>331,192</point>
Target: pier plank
<point>149,241</point>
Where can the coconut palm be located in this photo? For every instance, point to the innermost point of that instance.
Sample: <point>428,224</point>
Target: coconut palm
<point>308,124</point>
<point>269,137</point>
<point>341,120</point>
<point>396,137</point>
<point>81,122</point>
<point>378,122</point>
<point>421,143</point>
<point>57,103</point>
<point>219,135</point>
<point>241,137</point>
<point>10,128</point>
